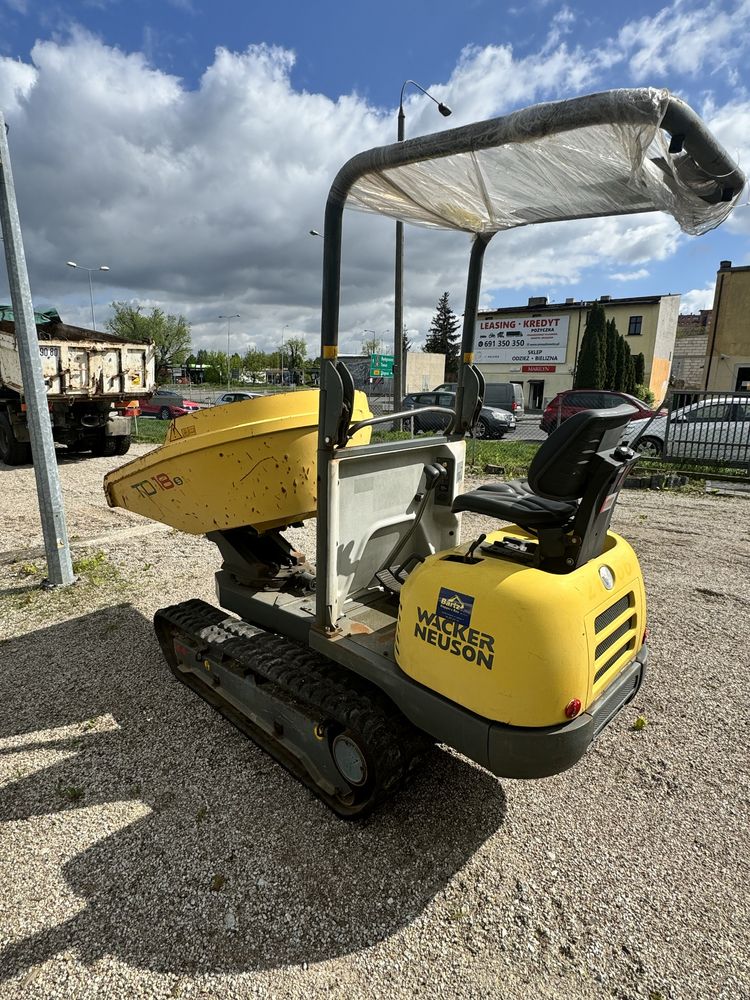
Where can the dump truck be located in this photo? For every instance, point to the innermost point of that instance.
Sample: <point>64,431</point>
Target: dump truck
<point>94,382</point>
<point>515,645</point>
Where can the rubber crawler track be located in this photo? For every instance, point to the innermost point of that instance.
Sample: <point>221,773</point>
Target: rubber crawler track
<point>342,700</point>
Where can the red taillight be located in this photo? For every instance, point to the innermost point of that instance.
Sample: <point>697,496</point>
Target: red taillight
<point>573,708</point>
<point>514,407</point>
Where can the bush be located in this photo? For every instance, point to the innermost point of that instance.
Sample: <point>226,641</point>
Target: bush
<point>643,392</point>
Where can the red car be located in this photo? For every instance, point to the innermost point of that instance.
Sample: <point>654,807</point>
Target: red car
<point>571,401</point>
<point>166,405</point>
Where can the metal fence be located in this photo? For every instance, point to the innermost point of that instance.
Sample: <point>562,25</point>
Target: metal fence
<point>708,428</point>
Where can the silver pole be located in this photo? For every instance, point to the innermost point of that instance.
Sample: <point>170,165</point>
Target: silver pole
<point>91,296</point>
<point>229,327</point>
<point>399,375</point>
<point>54,531</point>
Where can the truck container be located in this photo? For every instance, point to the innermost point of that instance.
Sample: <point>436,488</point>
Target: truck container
<point>94,382</point>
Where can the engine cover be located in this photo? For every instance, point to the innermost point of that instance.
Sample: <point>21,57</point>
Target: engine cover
<point>515,644</point>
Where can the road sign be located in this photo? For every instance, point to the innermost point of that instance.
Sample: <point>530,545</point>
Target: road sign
<point>381,365</point>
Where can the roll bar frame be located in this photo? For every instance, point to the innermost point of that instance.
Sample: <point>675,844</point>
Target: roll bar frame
<point>626,106</point>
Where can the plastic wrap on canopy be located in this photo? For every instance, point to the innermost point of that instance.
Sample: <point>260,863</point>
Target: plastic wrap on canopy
<point>552,163</point>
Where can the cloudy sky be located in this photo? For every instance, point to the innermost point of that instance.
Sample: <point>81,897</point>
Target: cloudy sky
<point>189,146</point>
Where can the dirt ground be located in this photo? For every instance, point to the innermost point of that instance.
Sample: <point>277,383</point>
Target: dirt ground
<point>148,850</point>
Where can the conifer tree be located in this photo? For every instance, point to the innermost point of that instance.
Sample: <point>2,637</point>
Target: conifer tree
<point>589,369</point>
<point>612,335</point>
<point>443,337</point>
<point>639,362</point>
<point>628,378</point>
<point>619,382</point>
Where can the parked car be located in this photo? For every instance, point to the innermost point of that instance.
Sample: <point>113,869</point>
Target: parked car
<point>713,429</point>
<point>493,422</point>
<point>501,395</point>
<point>167,405</point>
<point>236,397</point>
<point>571,401</point>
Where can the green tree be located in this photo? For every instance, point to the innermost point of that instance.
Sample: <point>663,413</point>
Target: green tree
<point>295,352</point>
<point>371,345</point>
<point>621,362</point>
<point>255,362</point>
<point>443,336</point>
<point>640,369</point>
<point>169,333</point>
<point>235,366</point>
<point>590,366</point>
<point>630,382</point>
<point>611,358</point>
<point>628,374</point>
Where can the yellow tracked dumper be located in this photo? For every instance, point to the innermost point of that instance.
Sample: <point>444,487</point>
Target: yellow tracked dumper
<point>516,647</point>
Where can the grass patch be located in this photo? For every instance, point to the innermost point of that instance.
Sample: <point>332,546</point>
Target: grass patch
<point>71,793</point>
<point>515,457</point>
<point>151,431</point>
<point>92,571</point>
<point>694,467</point>
<point>95,569</point>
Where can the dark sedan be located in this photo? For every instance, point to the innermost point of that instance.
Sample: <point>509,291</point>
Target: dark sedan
<point>492,423</point>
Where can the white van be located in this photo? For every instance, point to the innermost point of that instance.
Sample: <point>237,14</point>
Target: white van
<point>505,395</point>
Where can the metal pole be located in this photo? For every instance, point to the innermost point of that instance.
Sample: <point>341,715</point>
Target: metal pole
<point>398,296</point>
<point>229,327</point>
<point>91,296</point>
<point>398,293</point>
<point>281,355</point>
<point>49,494</point>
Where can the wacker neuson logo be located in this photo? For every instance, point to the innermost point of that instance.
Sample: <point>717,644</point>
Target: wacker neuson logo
<point>449,628</point>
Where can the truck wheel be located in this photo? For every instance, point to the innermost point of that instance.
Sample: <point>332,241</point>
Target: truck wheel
<point>122,444</point>
<point>104,447</point>
<point>12,451</point>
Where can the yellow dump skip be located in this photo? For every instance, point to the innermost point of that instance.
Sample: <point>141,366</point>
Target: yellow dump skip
<point>242,463</point>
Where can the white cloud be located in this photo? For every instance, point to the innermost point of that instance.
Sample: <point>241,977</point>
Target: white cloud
<point>685,40</point>
<point>16,82</point>
<point>629,275</point>
<point>697,299</point>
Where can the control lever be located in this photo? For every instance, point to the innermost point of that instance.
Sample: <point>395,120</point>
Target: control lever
<point>432,476</point>
<point>473,547</point>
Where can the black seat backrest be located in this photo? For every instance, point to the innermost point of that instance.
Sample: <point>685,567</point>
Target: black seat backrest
<point>563,466</point>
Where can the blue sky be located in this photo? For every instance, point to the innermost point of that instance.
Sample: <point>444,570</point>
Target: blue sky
<point>189,146</point>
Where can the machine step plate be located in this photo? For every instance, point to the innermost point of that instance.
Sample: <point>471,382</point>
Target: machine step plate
<point>330,728</point>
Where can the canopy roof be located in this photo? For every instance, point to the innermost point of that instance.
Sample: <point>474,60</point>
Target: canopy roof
<point>605,154</point>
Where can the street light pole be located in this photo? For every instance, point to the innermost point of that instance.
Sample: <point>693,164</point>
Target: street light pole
<point>229,327</point>
<point>281,353</point>
<point>82,267</point>
<point>398,306</point>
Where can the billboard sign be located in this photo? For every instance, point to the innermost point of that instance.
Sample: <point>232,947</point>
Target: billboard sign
<point>522,340</point>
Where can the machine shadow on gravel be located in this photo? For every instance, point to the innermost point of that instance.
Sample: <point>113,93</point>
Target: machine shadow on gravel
<point>236,866</point>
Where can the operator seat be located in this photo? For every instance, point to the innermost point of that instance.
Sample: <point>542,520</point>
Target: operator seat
<point>569,479</point>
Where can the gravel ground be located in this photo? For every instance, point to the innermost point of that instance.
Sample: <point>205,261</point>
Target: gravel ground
<point>148,850</point>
